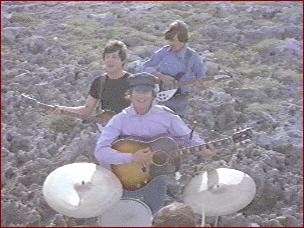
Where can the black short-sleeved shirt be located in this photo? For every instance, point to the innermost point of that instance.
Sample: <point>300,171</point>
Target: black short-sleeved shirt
<point>113,94</point>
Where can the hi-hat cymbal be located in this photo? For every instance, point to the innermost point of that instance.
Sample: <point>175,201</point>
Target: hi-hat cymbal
<point>219,192</point>
<point>81,190</point>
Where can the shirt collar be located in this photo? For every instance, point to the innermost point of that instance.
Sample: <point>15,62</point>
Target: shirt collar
<point>181,52</point>
<point>132,111</point>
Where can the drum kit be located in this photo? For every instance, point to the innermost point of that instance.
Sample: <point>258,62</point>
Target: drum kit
<point>84,190</point>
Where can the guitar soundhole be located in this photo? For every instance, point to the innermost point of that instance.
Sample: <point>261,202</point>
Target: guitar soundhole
<point>160,158</point>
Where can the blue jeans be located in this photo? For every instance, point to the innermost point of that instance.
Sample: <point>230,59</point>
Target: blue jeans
<point>154,194</point>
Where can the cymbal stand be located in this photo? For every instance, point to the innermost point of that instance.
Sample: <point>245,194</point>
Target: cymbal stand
<point>203,222</point>
<point>216,221</point>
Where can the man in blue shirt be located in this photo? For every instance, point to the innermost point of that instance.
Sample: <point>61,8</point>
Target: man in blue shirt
<point>176,62</point>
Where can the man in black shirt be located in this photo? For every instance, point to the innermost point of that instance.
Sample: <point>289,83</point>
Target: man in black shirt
<point>110,88</point>
<point>106,91</point>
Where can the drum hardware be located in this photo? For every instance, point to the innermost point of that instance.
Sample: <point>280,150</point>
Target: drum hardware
<point>219,192</point>
<point>127,212</point>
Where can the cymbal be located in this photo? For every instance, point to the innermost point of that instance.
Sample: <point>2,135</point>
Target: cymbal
<point>81,190</point>
<point>219,192</point>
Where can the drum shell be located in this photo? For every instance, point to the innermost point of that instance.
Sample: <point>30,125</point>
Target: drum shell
<point>128,212</point>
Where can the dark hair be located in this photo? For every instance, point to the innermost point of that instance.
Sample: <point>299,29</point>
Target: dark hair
<point>174,215</point>
<point>113,46</point>
<point>178,28</point>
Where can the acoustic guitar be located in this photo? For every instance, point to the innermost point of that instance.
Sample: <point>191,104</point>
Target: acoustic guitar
<point>101,118</point>
<point>166,157</point>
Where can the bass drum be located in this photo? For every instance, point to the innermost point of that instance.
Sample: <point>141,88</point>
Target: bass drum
<point>127,212</point>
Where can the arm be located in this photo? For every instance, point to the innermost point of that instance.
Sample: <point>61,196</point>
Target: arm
<point>84,110</point>
<point>181,132</point>
<point>195,74</point>
<point>90,104</point>
<point>151,65</point>
<point>104,152</point>
<point>198,69</point>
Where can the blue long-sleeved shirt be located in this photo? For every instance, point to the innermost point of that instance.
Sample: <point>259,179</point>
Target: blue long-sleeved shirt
<point>186,61</point>
<point>156,122</point>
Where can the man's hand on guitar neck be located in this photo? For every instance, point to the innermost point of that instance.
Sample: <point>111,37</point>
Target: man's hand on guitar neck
<point>208,152</point>
<point>143,157</point>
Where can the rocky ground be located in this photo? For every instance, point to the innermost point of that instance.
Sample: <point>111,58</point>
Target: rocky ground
<point>52,51</point>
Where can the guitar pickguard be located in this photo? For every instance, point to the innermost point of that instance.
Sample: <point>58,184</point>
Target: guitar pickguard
<point>167,147</point>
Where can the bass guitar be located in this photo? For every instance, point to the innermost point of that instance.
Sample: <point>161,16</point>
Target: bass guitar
<point>166,157</point>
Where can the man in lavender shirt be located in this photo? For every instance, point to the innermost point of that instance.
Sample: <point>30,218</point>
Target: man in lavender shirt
<point>176,61</point>
<point>145,120</point>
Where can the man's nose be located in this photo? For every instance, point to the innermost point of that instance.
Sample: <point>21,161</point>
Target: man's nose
<point>109,60</point>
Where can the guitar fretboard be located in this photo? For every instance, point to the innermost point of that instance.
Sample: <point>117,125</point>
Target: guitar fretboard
<point>237,137</point>
<point>88,119</point>
<point>195,149</point>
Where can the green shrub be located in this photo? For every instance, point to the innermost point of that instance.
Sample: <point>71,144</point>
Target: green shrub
<point>62,124</point>
<point>266,44</point>
<point>24,19</point>
<point>272,107</point>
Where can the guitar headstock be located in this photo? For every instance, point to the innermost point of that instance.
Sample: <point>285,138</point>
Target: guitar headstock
<point>242,135</point>
<point>35,103</point>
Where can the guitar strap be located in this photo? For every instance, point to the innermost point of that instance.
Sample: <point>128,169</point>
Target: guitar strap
<point>99,109</point>
<point>193,128</point>
<point>187,58</point>
<point>102,83</point>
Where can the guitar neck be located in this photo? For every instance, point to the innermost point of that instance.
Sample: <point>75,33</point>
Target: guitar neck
<point>101,118</point>
<point>88,119</point>
<point>182,84</point>
<point>195,149</point>
<point>92,119</point>
<point>237,137</point>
